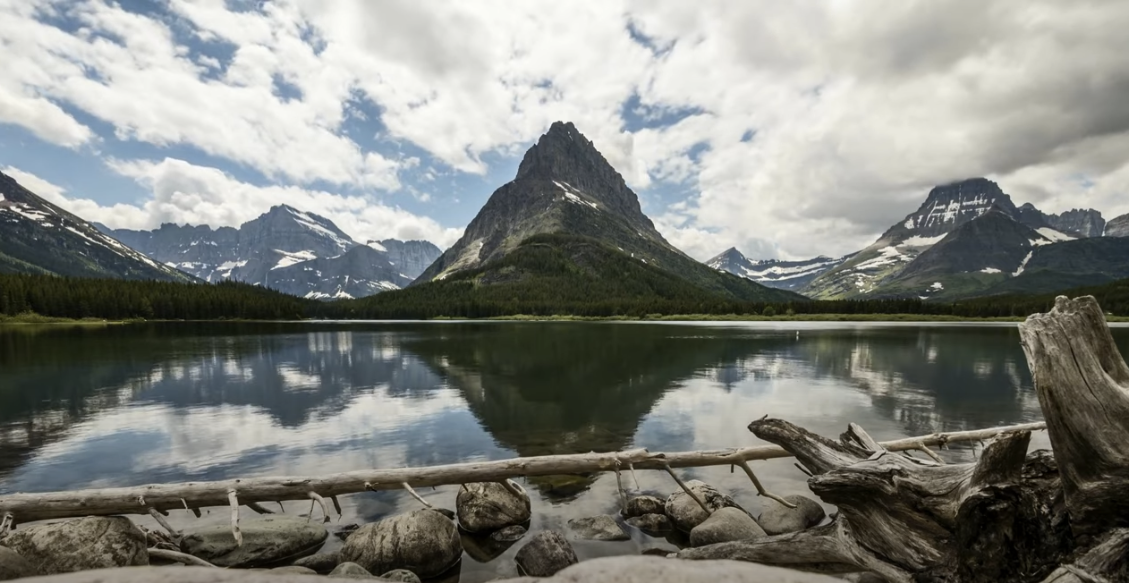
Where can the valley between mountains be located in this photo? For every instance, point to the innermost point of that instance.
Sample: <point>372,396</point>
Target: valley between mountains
<point>567,230</point>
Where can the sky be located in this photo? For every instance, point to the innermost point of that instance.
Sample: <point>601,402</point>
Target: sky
<point>786,129</point>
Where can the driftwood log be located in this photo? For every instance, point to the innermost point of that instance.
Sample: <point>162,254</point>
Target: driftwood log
<point>161,498</point>
<point>1009,517</point>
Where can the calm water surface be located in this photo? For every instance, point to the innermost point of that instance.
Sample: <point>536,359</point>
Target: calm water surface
<point>127,405</point>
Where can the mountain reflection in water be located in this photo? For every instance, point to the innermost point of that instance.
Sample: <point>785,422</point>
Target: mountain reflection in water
<point>121,405</point>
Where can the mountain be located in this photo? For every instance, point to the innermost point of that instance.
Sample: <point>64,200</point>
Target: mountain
<point>1118,227</point>
<point>288,250</point>
<point>971,259</point>
<point>790,275</point>
<point>1076,223</point>
<point>569,218</point>
<point>1066,265</point>
<point>946,208</point>
<point>39,237</point>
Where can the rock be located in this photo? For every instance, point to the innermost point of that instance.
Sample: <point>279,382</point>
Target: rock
<point>450,514</point>
<point>655,552</point>
<point>350,571</point>
<point>685,513</point>
<point>643,505</point>
<point>659,570</point>
<point>344,531</point>
<point>94,542</point>
<point>294,570</point>
<point>725,525</point>
<point>651,524</point>
<point>777,518</point>
<point>423,541</point>
<point>13,566</point>
<point>489,506</point>
<point>321,562</point>
<point>602,527</point>
<point>602,570</point>
<point>546,553</point>
<point>509,534</point>
<point>401,575</point>
<point>267,541</point>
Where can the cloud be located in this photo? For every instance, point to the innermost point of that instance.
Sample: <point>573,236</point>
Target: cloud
<point>184,193</point>
<point>856,109</point>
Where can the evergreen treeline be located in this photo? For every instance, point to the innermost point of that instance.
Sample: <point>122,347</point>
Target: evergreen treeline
<point>117,299</point>
<point>121,299</point>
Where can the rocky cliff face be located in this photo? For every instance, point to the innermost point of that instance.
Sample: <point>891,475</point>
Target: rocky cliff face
<point>39,237</point>
<point>1118,227</point>
<point>289,250</point>
<point>1076,223</point>
<point>790,275</point>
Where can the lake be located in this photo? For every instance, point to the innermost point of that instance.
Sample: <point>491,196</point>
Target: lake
<point>88,407</point>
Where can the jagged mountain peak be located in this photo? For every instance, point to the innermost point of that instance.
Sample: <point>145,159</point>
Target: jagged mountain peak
<point>565,156</point>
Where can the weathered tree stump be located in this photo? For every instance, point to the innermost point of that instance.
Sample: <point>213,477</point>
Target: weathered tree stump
<point>1009,517</point>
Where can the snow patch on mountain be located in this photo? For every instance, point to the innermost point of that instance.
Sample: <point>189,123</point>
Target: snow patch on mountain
<point>289,258</point>
<point>1054,236</point>
<point>990,270</point>
<point>1023,265</point>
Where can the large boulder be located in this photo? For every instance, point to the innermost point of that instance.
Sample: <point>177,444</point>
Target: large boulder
<point>94,542</point>
<point>603,527</point>
<point>13,566</point>
<point>643,505</point>
<point>546,553</point>
<point>777,518</point>
<point>268,541</point>
<point>423,541</point>
<point>489,506</point>
<point>659,570</point>
<point>685,512</point>
<point>725,525</point>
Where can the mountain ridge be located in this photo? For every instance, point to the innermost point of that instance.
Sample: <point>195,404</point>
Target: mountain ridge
<point>39,237</point>
<point>287,249</point>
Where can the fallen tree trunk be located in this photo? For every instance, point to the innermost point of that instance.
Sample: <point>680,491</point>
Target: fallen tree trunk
<point>194,495</point>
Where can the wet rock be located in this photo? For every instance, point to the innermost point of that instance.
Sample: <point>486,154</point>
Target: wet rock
<point>655,552</point>
<point>652,524</point>
<point>350,571</point>
<point>321,562</point>
<point>643,505</point>
<point>13,566</point>
<point>267,541</point>
<point>546,553</point>
<point>602,527</point>
<point>294,570</point>
<point>489,506</point>
<point>869,577</point>
<point>94,542</point>
<point>509,534</point>
<point>777,518</point>
<point>401,575</point>
<point>423,541</point>
<point>725,525</point>
<point>685,513</point>
<point>450,514</point>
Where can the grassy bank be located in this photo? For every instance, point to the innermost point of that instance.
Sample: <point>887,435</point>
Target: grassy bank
<point>33,318</point>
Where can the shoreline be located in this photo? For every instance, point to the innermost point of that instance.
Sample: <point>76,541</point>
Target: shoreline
<point>37,320</point>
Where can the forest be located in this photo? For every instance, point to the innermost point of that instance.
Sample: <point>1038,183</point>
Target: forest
<point>112,299</point>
